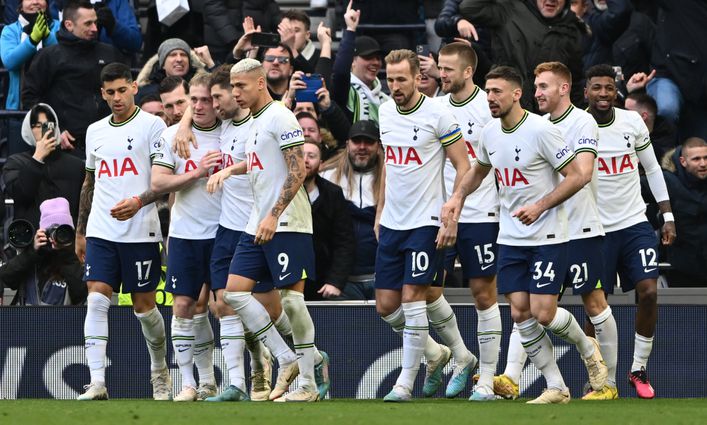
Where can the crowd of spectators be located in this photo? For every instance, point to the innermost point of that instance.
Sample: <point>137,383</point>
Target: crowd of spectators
<point>53,52</point>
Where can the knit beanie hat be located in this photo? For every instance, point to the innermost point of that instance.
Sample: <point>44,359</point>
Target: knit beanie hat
<point>171,44</point>
<point>55,211</point>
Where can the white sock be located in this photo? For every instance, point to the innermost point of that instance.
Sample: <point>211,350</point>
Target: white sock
<point>515,361</point>
<point>204,348</point>
<point>396,320</point>
<point>256,349</point>
<point>642,347</point>
<point>282,324</point>
<point>565,326</point>
<point>256,318</point>
<point>414,339</point>
<point>302,335</point>
<point>607,335</point>
<point>537,344</point>
<point>152,324</point>
<point>489,337</point>
<point>183,344</point>
<point>95,331</point>
<point>232,345</point>
<point>444,322</point>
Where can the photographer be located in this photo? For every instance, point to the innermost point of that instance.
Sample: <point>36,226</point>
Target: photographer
<point>46,172</point>
<point>46,270</point>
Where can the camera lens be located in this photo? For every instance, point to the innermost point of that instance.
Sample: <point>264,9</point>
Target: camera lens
<point>20,233</point>
<point>62,235</point>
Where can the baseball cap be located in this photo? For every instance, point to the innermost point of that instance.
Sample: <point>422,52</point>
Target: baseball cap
<point>366,46</point>
<point>364,128</point>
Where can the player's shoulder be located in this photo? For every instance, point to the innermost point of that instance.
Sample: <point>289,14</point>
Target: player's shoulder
<point>100,124</point>
<point>167,135</point>
<point>387,107</point>
<point>627,117</point>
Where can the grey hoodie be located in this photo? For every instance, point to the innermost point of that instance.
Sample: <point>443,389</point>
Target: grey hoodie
<point>27,134</point>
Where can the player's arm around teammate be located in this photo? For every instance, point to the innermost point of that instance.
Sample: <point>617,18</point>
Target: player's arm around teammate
<point>456,152</point>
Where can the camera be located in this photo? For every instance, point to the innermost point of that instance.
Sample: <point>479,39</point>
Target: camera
<point>61,234</point>
<point>20,233</point>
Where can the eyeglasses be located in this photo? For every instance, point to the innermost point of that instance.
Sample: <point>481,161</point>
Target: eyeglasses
<point>278,59</point>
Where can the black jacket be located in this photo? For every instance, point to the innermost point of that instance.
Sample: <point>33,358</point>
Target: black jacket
<point>607,26</point>
<point>56,267</point>
<point>67,77</point>
<point>632,50</point>
<point>688,200</point>
<point>522,38</point>
<point>29,183</point>
<point>680,50</point>
<point>334,244</point>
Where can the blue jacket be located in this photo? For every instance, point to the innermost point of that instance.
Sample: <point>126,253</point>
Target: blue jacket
<point>16,53</point>
<point>126,34</point>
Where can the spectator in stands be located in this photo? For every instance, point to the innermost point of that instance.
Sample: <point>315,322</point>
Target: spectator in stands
<point>46,172</point>
<point>607,20</point>
<point>47,272</point>
<point>313,131</point>
<point>355,84</point>
<point>67,75</point>
<point>222,22</point>
<point>174,93</point>
<point>117,23</point>
<point>359,170</point>
<point>21,40</point>
<point>450,24</point>
<point>294,32</point>
<point>685,172</point>
<point>526,33</point>
<point>662,132</point>
<point>277,62</point>
<point>330,113</point>
<point>680,84</point>
<point>153,104</point>
<point>174,59</point>
<point>332,234</point>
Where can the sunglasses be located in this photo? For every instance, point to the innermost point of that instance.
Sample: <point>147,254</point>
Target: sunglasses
<point>278,59</point>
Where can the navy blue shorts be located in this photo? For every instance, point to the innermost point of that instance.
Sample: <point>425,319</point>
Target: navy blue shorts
<point>188,266</point>
<point>285,260</point>
<point>476,248</point>
<point>224,246</point>
<point>136,265</point>
<point>408,257</point>
<point>533,269</point>
<point>585,260</point>
<point>633,254</point>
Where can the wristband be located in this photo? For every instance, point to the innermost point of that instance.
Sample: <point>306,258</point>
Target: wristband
<point>668,216</point>
<point>139,201</point>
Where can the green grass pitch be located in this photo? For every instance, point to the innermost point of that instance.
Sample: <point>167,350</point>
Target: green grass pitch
<point>363,412</point>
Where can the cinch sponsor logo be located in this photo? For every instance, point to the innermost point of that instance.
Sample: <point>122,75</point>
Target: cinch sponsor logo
<point>291,134</point>
<point>587,141</point>
<point>564,151</point>
<point>401,156</point>
<point>510,177</point>
<point>114,170</point>
<point>616,165</point>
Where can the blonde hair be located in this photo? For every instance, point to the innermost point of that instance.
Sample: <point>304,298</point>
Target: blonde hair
<point>246,65</point>
<point>201,78</point>
<point>400,55</point>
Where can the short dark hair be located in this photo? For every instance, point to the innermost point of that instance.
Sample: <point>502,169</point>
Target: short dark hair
<point>34,114</point>
<point>71,8</point>
<point>303,114</point>
<point>284,47</point>
<point>221,77</point>
<point>168,84</point>
<point>693,142</point>
<point>507,73</point>
<point>601,70</point>
<point>645,101</point>
<point>152,97</point>
<point>298,15</point>
<point>116,71</point>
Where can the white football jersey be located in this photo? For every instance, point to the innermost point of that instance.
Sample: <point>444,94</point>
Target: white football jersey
<point>274,129</point>
<point>237,199</point>
<point>580,132</point>
<point>413,143</point>
<point>619,186</point>
<point>473,114</point>
<point>120,155</point>
<point>195,212</point>
<point>526,159</point>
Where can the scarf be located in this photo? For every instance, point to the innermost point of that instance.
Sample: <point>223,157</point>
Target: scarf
<point>364,101</point>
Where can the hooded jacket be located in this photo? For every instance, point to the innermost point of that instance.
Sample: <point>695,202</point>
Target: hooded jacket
<point>150,76</point>
<point>29,182</point>
<point>67,76</point>
<point>523,38</point>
